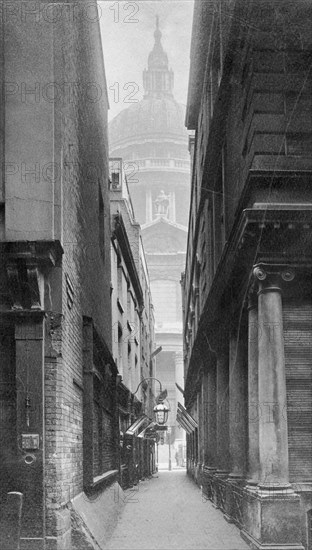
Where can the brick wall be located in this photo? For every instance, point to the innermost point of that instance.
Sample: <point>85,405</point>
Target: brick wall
<point>85,271</point>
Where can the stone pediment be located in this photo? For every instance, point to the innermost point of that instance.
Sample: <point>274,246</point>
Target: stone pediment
<point>164,236</point>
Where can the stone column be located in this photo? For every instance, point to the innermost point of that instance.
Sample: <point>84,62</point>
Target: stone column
<point>201,425</point>
<point>237,403</point>
<point>273,440</point>
<point>253,398</point>
<point>223,459</point>
<point>211,430</point>
<point>272,515</point>
<point>205,416</point>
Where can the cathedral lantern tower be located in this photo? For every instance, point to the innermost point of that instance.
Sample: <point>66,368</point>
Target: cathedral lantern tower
<point>158,78</point>
<point>151,138</point>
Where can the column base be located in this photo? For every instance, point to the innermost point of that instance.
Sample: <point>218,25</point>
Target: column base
<point>256,545</point>
<point>221,473</point>
<point>272,519</point>
<point>267,489</point>
<point>234,483</point>
<point>252,483</point>
<point>198,473</point>
<point>209,471</point>
<point>236,478</point>
<point>207,481</point>
<point>219,489</point>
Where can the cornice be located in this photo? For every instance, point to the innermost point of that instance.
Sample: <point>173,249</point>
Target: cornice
<point>241,253</point>
<point>41,252</point>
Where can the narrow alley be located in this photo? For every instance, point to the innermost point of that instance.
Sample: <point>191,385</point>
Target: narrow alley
<point>155,275</point>
<point>169,511</point>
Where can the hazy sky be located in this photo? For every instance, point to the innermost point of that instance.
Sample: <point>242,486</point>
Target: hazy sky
<point>127,34</point>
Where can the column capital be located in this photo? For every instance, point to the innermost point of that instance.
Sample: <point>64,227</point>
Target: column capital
<point>271,277</point>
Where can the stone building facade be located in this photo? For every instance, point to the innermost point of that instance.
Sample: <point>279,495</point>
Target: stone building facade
<point>59,428</point>
<point>151,138</point>
<point>247,284</point>
<point>133,331</point>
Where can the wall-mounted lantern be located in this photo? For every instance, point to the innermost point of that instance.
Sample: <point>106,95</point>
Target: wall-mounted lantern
<point>160,410</point>
<point>161,413</point>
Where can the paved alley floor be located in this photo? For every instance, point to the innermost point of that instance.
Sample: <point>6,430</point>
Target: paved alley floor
<point>169,512</point>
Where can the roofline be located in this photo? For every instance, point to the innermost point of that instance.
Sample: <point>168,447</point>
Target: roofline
<point>165,221</point>
<point>201,32</point>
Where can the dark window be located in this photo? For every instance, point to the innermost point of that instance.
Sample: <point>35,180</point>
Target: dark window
<point>129,355</point>
<point>120,347</point>
<point>115,170</point>
<point>115,180</point>
<point>98,407</point>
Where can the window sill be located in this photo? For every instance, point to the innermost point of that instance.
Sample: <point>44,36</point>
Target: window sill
<point>104,477</point>
<point>120,307</point>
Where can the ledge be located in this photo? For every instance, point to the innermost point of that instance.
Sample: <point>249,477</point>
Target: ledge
<point>40,251</point>
<point>20,313</point>
<point>120,307</point>
<point>280,163</point>
<point>103,478</point>
<point>78,384</point>
<point>302,487</point>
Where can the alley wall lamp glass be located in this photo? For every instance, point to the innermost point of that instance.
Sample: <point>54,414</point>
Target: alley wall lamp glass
<point>161,413</point>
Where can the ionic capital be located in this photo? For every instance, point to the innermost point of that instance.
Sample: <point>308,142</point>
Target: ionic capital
<point>272,278</point>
